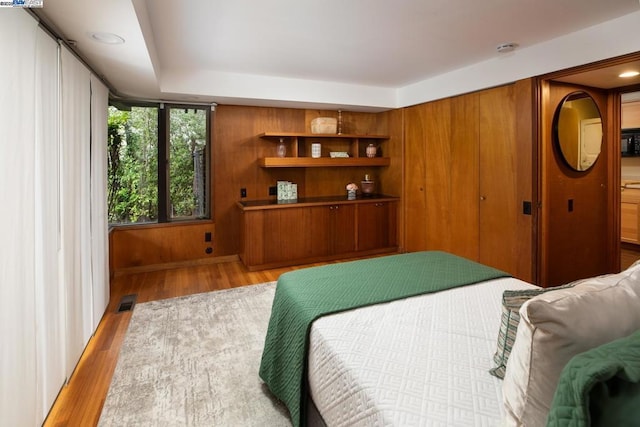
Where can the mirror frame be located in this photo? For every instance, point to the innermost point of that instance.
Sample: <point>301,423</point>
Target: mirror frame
<point>568,144</point>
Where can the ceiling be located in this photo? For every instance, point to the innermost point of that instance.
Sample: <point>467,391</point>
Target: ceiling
<point>295,51</point>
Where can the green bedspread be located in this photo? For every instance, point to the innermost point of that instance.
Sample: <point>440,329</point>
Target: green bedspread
<point>600,387</point>
<point>304,295</point>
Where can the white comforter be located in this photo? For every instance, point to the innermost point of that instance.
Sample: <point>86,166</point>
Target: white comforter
<point>420,361</point>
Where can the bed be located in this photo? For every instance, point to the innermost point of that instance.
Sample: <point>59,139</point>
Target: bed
<point>417,359</point>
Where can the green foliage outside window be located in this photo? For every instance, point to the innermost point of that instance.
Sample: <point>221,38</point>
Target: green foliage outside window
<point>133,164</point>
<point>188,137</point>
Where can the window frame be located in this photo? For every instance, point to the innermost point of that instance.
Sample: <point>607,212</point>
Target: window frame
<point>163,163</point>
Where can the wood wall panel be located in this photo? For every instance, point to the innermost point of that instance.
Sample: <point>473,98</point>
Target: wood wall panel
<point>499,198</point>
<point>414,194</point>
<point>437,181</point>
<point>573,244</point>
<point>465,193</point>
<point>135,246</point>
<point>525,150</point>
<point>460,149</point>
<point>236,149</point>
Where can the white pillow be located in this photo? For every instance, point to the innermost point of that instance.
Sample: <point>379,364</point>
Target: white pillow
<point>557,325</point>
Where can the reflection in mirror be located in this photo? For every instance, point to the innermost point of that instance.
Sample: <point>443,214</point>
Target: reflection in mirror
<point>578,128</point>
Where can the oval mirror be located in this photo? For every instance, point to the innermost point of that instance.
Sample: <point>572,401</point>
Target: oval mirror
<point>578,130</point>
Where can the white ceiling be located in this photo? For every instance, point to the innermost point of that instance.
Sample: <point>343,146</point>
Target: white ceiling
<point>358,53</point>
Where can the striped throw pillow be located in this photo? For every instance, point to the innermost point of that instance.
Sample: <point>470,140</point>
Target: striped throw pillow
<point>511,303</point>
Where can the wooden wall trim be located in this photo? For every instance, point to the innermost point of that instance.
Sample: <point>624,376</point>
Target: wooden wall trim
<point>173,265</point>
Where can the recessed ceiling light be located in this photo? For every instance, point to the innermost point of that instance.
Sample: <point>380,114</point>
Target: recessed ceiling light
<point>107,38</point>
<point>506,47</point>
<point>628,74</point>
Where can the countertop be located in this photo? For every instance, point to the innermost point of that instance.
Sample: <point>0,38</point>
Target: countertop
<point>311,201</point>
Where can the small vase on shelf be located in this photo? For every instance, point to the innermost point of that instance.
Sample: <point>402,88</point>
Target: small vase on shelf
<point>371,150</point>
<point>352,190</point>
<point>282,149</point>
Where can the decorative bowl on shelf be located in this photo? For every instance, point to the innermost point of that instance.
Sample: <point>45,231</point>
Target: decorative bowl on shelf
<point>338,154</point>
<point>326,125</point>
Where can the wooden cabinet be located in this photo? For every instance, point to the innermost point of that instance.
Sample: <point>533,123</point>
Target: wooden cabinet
<point>314,230</point>
<point>630,118</point>
<point>629,215</point>
<point>299,150</point>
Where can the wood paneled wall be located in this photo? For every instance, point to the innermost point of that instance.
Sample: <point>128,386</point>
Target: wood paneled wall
<point>236,150</point>
<point>468,171</point>
<point>575,244</point>
<point>158,244</point>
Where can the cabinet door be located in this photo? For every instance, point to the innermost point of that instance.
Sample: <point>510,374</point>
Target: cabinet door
<point>318,241</point>
<point>285,234</point>
<point>373,226</point>
<point>343,233</point>
<point>629,222</point>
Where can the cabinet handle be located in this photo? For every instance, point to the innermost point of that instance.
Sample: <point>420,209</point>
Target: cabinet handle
<point>483,197</point>
<point>330,208</point>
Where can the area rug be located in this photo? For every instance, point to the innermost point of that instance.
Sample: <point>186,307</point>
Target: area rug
<point>193,361</point>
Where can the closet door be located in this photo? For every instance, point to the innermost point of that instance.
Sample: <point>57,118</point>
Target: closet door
<point>499,202</point>
<point>464,167</point>
<point>438,175</point>
<point>415,197</point>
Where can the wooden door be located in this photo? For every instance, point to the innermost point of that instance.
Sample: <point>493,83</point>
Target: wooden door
<point>464,175</point>
<point>499,203</point>
<point>415,195</point>
<point>438,175</point>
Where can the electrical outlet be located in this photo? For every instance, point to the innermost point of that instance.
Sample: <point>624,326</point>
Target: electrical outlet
<point>273,191</point>
<point>243,192</point>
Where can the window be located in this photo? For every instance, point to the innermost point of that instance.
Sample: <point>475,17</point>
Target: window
<point>141,186</point>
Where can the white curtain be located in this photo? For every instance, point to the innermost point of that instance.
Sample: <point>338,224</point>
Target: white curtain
<point>53,253</point>
<point>75,205</point>
<point>99,225</point>
<point>17,266</point>
<point>49,295</point>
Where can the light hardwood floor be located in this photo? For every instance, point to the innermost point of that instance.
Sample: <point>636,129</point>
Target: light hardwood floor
<point>80,401</point>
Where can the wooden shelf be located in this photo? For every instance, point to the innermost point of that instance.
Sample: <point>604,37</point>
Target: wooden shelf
<point>310,162</point>
<point>319,135</point>
<point>299,149</point>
